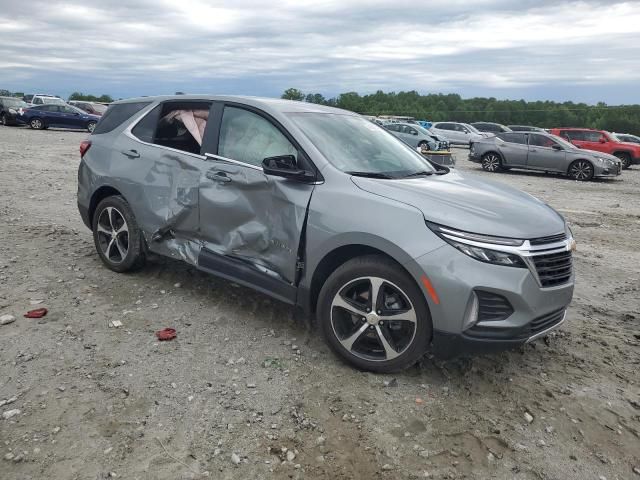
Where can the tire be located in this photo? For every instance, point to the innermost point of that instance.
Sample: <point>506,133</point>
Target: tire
<point>491,162</point>
<point>423,144</point>
<point>3,120</point>
<point>581,170</point>
<point>36,124</point>
<point>355,334</point>
<point>625,158</point>
<point>116,235</point>
<point>91,126</point>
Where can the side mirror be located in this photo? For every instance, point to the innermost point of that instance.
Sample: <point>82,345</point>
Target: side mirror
<point>555,146</point>
<point>603,140</point>
<point>284,166</point>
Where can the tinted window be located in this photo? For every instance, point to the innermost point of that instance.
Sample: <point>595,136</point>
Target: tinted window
<point>540,140</point>
<point>443,126</point>
<point>116,115</point>
<point>392,127</point>
<point>145,129</point>
<point>519,138</point>
<point>592,136</point>
<point>250,138</point>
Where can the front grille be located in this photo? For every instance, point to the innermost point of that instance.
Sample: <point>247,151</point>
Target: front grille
<point>492,307</point>
<point>553,268</point>
<point>550,239</point>
<point>547,321</point>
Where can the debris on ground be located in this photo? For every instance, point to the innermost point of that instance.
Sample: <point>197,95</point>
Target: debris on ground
<point>166,334</point>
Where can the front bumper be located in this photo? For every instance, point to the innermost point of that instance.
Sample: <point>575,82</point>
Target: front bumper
<point>457,278</point>
<point>602,171</point>
<point>13,119</point>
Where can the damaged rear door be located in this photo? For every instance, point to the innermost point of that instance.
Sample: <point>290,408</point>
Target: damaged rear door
<point>252,224</point>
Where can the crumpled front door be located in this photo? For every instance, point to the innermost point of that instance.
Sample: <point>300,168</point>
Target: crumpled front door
<point>253,217</point>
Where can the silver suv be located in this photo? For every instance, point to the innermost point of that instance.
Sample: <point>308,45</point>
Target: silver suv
<point>322,209</point>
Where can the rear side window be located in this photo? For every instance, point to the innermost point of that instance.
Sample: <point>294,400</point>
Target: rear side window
<point>178,125</point>
<point>116,115</point>
<point>519,138</point>
<point>540,141</point>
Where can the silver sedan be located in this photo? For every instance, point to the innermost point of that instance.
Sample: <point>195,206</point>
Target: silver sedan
<point>542,152</point>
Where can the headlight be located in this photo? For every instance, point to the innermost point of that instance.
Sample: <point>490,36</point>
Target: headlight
<point>12,111</point>
<point>606,161</point>
<point>466,243</point>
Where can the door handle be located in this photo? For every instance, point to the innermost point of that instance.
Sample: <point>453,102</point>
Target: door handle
<point>131,153</point>
<point>218,176</point>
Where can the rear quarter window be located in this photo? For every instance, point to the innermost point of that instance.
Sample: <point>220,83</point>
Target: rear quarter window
<point>116,115</point>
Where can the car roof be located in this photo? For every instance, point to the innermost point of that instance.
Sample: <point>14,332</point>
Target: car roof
<point>278,104</point>
<point>577,128</point>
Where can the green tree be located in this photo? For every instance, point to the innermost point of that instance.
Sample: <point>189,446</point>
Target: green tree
<point>293,94</point>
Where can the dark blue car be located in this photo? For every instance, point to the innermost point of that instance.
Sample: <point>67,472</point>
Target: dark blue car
<point>41,117</point>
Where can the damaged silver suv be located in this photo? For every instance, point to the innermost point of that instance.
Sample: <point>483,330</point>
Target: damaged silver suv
<point>324,210</point>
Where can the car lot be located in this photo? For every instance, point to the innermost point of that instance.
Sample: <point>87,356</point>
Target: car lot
<point>243,377</point>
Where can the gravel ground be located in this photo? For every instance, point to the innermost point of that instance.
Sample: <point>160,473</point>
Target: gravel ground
<point>247,392</point>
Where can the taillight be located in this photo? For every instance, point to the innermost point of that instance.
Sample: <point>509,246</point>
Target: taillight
<point>84,147</point>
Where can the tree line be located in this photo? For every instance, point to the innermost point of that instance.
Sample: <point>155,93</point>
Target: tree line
<point>452,107</point>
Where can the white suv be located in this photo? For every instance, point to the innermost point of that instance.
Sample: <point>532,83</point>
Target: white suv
<point>458,133</point>
<point>42,99</point>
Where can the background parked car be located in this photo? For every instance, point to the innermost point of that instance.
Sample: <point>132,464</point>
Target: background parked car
<point>490,127</point>
<point>90,107</point>
<point>458,133</point>
<point>61,116</point>
<point>416,136</point>
<point>627,137</point>
<point>44,99</point>
<point>601,141</point>
<point>543,152</point>
<point>525,128</point>
<point>9,108</point>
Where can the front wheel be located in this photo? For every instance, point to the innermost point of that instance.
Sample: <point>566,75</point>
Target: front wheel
<point>491,162</point>
<point>374,316</point>
<point>116,235</point>
<point>581,170</point>
<point>3,119</point>
<point>91,126</point>
<point>36,124</point>
<point>625,158</point>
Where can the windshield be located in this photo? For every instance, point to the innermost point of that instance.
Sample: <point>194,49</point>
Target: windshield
<point>613,137</point>
<point>14,103</point>
<point>353,144</point>
<point>52,100</point>
<point>471,128</point>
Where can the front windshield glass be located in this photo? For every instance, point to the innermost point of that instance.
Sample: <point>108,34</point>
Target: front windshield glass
<point>471,128</point>
<point>353,144</point>
<point>613,137</point>
<point>52,100</point>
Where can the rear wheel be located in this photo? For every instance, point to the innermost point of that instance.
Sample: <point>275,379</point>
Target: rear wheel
<point>374,316</point>
<point>625,158</point>
<point>36,124</point>
<point>3,119</point>
<point>91,126</point>
<point>491,162</point>
<point>581,170</point>
<point>116,235</point>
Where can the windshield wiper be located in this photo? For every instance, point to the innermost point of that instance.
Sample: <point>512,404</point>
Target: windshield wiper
<point>370,174</point>
<point>422,173</point>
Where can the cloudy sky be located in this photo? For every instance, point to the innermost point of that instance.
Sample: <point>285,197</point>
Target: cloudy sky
<point>583,50</point>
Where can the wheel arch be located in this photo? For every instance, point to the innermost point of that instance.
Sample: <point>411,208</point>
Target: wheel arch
<point>495,151</point>
<point>99,195</point>
<point>579,160</point>
<point>625,152</point>
<point>340,254</point>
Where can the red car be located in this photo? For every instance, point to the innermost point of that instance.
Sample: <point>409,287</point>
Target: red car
<point>601,141</point>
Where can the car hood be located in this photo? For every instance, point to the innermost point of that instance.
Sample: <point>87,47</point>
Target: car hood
<point>593,154</point>
<point>471,204</point>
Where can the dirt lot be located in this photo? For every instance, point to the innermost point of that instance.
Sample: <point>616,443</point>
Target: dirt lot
<point>247,392</point>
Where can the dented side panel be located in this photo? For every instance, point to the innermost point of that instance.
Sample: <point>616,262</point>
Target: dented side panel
<point>161,187</point>
<point>251,216</point>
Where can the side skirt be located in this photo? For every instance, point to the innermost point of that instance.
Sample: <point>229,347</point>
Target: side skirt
<point>245,274</point>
